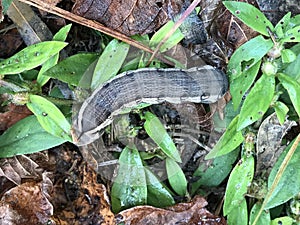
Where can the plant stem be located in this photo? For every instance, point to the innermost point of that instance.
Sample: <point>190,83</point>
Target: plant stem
<point>59,101</point>
<point>278,176</point>
<point>91,24</point>
<point>187,12</point>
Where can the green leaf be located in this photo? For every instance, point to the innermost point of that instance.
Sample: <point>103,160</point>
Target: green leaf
<point>217,171</point>
<point>240,85</point>
<point>129,188</point>
<point>283,221</point>
<point>229,141</point>
<point>61,35</point>
<point>160,35</point>
<point>288,56</point>
<point>281,111</point>
<point>31,57</point>
<point>282,25</point>
<point>247,55</point>
<point>109,62</point>
<point>6,4</point>
<point>238,183</point>
<point>250,15</point>
<point>238,215</point>
<point>293,69</point>
<point>50,117</point>
<point>209,177</point>
<point>293,88</point>
<point>257,101</point>
<point>292,35</point>
<point>25,137</point>
<point>295,21</point>
<point>289,184</point>
<point>264,217</point>
<point>156,130</point>
<point>157,193</point>
<point>176,177</point>
<point>67,72</point>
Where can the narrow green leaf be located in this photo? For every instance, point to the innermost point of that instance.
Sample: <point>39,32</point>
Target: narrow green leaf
<point>295,21</point>
<point>288,56</point>
<point>257,101</point>
<point>50,117</point>
<point>283,221</point>
<point>293,88</point>
<point>157,193</point>
<point>250,15</point>
<point>293,69</point>
<point>129,188</point>
<point>282,25</point>
<point>264,217</point>
<point>61,35</point>
<point>238,183</point>
<point>156,130</point>
<point>25,137</point>
<point>6,4</point>
<point>247,55</point>
<point>241,84</point>
<point>31,57</point>
<point>238,215</point>
<point>289,184</point>
<point>109,62</point>
<point>66,70</point>
<point>229,141</point>
<point>176,177</point>
<point>292,35</point>
<point>160,35</point>
<point>217,171</point>
<point>281,111</point>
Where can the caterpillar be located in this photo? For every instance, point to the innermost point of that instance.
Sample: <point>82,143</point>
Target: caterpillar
<point>204,84</point>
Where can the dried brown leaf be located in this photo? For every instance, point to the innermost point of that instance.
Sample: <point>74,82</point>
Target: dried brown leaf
<point>233,30</point>
<point>26,204</point>
<point>13,114</point>
<point>18,167</point>
<point>1,14</point>
<point>269,145</point>
<point>86,200</point>
<point>10,41</point>
<point>128,17</point>
<point>29,25</point>
<point>193,213</point>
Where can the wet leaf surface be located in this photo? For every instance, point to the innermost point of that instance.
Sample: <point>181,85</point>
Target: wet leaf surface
<point>30,57</point>
<point>21,138</point>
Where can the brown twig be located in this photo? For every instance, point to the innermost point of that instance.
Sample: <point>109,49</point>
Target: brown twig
<point>91,24</point>
<point>186,13</point>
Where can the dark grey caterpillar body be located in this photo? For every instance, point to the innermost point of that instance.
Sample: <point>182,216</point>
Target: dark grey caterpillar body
<point>200,85</point>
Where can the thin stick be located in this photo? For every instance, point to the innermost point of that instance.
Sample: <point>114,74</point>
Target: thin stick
<point>278,176</point>
<point>187,12</point>
<point>91,24</point>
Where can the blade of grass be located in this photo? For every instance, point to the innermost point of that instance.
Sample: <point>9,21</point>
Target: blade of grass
<point>278,177</point>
